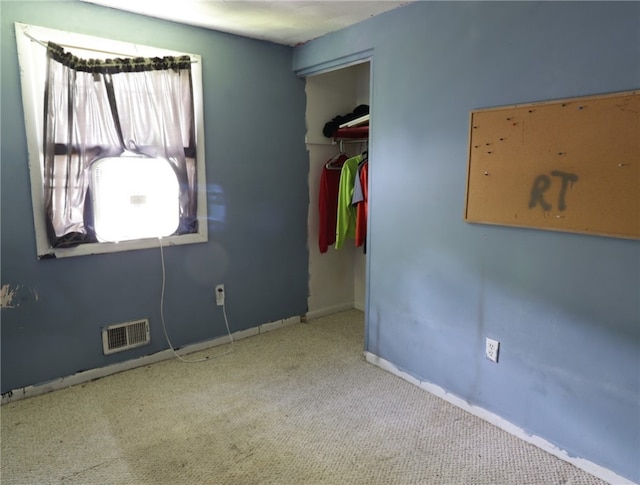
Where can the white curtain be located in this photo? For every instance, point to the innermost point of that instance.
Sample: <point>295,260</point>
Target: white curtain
<point>106,108</point>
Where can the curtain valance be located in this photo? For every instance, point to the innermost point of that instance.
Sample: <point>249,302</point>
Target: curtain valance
<point>116,65</point>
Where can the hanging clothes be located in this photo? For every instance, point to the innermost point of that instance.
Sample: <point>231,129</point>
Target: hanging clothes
<point>328,201</point>
<point>357,186</point>
<point>346,213</point>
<point>362,204</point>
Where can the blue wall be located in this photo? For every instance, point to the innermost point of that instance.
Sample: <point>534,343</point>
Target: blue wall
<point>257,170</point>
<point>565,307</point>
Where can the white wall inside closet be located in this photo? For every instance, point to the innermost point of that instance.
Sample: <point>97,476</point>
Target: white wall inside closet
<point>337,277</point>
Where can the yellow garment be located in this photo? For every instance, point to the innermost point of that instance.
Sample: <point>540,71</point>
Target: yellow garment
<point>346,215</point>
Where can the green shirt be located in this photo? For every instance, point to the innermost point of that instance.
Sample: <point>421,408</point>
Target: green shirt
<point>346,216</point>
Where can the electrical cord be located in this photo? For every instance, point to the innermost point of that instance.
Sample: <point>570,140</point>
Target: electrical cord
<point>224,312</point>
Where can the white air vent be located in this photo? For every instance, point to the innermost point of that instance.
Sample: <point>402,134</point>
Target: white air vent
<point>123,336</point>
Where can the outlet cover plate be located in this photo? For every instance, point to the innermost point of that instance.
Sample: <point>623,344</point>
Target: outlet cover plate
<point>492,349</point>
<point>220,295</point>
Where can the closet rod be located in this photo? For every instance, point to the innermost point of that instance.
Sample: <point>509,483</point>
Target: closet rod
<point>351,140</point>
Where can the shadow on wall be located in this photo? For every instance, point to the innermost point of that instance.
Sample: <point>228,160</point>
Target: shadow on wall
<point>216,208</point>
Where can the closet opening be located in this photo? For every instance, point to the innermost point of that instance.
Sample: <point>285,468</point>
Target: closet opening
<point>337,272</point>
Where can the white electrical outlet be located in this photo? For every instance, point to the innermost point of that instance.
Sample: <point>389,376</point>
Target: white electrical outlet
<point>219,295</point>
<point>492,349</point>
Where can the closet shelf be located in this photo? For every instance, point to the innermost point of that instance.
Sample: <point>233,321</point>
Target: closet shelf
<point>362,120</point>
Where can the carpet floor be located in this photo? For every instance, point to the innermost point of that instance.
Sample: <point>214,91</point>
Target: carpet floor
<point>298,405</point>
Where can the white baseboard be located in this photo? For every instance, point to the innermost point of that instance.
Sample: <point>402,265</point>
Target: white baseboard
<point>323,312</point>
<point>586,465</point>
<point>92,374</point>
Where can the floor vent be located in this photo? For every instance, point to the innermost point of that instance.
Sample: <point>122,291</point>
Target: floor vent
<point>123,336</point>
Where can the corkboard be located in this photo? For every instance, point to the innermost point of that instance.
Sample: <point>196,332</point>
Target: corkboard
<point>570,165</point>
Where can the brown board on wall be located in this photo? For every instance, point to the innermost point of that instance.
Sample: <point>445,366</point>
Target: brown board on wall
<point>570,165</point>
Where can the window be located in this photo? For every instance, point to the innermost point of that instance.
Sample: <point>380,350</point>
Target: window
<point>116,147</point>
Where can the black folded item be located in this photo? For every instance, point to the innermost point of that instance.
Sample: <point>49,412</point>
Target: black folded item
<point>361,110</point>
<point>331,127</point>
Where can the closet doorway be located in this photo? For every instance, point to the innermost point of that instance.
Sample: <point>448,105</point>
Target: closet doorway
<point>337,278</point>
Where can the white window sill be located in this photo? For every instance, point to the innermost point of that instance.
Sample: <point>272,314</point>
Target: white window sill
<point>108,247</point>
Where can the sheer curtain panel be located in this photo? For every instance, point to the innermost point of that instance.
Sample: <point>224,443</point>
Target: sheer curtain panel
<point>94,109</point>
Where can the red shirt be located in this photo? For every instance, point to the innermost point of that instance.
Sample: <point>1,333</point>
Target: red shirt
<point>362,207</point>
<point>328,202</point>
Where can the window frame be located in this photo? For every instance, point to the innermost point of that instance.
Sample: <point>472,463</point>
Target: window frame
<point>32,61</point>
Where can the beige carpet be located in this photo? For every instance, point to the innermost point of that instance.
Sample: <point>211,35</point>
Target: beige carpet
<point>298,405</point>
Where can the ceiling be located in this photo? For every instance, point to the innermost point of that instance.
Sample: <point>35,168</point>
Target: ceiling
<point>288,22</point>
